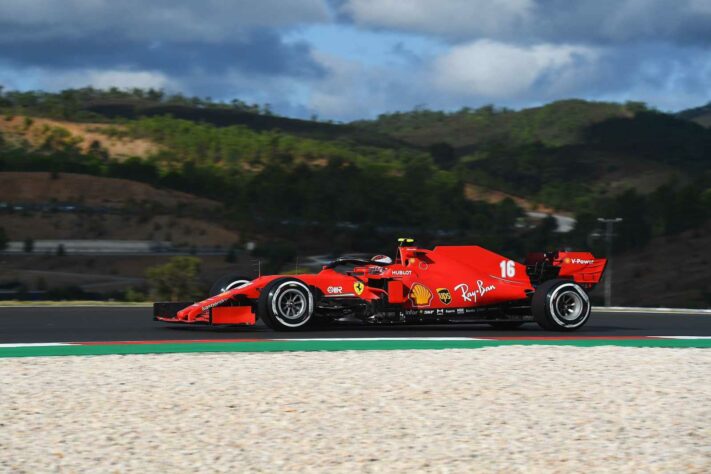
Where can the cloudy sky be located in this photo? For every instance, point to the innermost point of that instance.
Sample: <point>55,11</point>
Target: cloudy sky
<point>347,59</point>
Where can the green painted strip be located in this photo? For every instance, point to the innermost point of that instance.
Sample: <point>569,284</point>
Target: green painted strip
<point>280,346</point>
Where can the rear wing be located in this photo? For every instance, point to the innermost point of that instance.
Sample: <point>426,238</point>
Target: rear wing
<point>581,267</point>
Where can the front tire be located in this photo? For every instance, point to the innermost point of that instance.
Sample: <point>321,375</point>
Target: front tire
<point>286,304</point>
<point>561,305</point>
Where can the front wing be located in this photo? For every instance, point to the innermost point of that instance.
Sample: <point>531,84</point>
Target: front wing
<point>169,312</point>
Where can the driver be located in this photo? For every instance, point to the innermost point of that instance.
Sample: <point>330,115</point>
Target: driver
<point>379,263</point>
<point>382,259</point>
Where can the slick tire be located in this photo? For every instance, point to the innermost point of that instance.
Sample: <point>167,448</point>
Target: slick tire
<point>228,282</point>
<point>561,305</point>
<point>286,304</point>
<point>507,325</point>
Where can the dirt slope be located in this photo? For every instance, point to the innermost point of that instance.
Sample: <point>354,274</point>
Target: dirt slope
<point>480,193</point>
<point>108,208</point>
<point>36,130</point>
<point>40,187</point>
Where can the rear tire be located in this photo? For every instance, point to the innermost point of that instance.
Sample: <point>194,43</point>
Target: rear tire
<point>561,305</point>
<point>286,304</point>
<point>228,282</point>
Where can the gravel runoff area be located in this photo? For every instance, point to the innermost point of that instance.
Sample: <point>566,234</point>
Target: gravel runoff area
<point>503,409</point>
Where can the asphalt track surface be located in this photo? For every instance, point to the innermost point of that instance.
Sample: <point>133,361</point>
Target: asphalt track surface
<point>104,324</point>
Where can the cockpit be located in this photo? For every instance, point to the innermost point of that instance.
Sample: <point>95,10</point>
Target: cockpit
<point>378,260</point>
<point>373,266</point>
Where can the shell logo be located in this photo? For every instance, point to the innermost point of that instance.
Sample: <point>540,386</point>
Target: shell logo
<point>566,260</point>
<point>420,295</point>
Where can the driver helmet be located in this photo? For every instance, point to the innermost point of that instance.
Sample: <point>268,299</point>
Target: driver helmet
<point>382,259</point>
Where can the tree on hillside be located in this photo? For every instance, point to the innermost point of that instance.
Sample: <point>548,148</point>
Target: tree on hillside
<point>3,239</point>
<point>155,95</point>
<point>231,256</point>
<point>635,230</point>
<point>543,237</point>
<point>443,155</point>
<point>97,150</point>
<point>276,254</point>
<point>636,106</point>
<point>176,280</point>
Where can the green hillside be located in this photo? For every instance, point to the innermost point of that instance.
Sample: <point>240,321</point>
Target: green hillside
<point>273,182</point>
<point>363,183</point>
<point>555,124</point>
<point>630,129</point>
<point>565,154</point>
<point>117,105</point>
<point>700,115</point>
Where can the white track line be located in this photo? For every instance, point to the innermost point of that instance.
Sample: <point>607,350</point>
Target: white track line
<point>38,344</point>
<point>682,337</point>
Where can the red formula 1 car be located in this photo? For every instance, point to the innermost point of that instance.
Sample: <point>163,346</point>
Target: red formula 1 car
<point>447,284</point>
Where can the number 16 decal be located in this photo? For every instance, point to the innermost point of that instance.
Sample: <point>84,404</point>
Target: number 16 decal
<point>508,268</point>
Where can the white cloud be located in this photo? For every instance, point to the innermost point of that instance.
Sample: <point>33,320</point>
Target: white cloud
<point>443,17</point>
<point>116,78</point>
<point>580,21</point>
<point>482,72</point>
<point>52,79</point>
<point>455,53</point>
<point>355,89</point>
<point>469,74</point>
<point>668,78</point>
<point>701,6</point>
<point>493,70</point>
<point>175,20</point>
<point>350,88</point>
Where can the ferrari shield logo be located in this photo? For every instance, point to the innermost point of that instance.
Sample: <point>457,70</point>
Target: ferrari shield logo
<point>358,287</point>
<point>444,295</point>
<point>420,295</point>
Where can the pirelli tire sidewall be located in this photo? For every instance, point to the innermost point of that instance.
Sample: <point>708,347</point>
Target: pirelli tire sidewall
<point>273,305</point>
<point>546,307</point>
